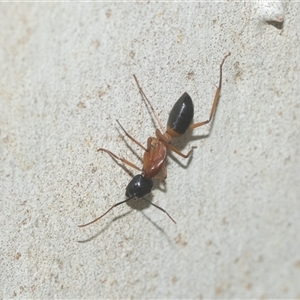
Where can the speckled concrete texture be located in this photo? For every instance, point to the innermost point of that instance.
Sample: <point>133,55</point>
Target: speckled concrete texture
<point>66,76</point>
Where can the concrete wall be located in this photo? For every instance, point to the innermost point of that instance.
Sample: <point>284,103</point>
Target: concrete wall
<point>66,76</point>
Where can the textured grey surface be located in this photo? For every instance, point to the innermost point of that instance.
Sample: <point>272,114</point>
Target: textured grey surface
<point>66,76</point>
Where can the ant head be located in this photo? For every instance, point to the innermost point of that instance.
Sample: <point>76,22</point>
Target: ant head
<point>139,187</point>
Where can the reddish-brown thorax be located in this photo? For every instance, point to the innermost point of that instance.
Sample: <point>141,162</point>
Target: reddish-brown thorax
<point>154,157</point>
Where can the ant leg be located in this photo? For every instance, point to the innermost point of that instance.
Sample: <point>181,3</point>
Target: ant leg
<point>160,136</point>
<point>174,149</point>
<point>164,171</point>
<point>123,160</point>
<point>163,174</point>
<point>133,139</point>
<point>105,212</point>
<point>148,103</point>
<point>216,99</point>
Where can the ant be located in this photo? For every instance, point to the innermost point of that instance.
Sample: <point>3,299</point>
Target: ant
<point>154,160</point>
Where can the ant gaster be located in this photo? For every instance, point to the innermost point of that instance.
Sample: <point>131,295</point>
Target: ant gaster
<point>154,160</point>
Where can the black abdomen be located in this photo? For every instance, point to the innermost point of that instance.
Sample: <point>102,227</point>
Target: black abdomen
<point>181,114</point>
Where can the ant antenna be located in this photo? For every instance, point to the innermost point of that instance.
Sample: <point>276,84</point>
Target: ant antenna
<point>160,209</point>
<point>122,203</point>
<point>105,212</point>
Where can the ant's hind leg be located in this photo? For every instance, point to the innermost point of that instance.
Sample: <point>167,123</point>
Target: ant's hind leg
<point>216,99</point>
<point>172,148</point>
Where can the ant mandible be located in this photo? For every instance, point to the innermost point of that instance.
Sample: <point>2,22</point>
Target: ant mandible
<point>154,161</point>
